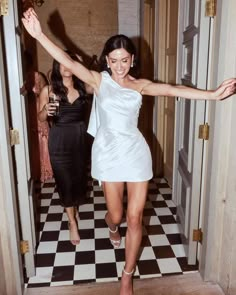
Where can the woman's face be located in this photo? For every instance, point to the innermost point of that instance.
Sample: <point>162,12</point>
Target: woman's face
<point>36,88</point>
<point>39,83</point>
<point>119,61</point>
<point>65,72</point>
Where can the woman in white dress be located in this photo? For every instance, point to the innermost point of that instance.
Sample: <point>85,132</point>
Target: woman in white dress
<point>120,154</point>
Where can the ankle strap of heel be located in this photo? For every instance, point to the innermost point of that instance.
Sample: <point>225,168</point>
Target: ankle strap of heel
<point>113,231</point>
<point>128,273</point>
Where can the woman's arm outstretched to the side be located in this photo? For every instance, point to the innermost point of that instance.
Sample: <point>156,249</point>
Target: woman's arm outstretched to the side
<point>226,89</point>
<point>33,27</point>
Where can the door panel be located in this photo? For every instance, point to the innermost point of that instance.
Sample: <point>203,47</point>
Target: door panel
<point>167,50</point>
<point>192,71</point>
<point>147,71</point>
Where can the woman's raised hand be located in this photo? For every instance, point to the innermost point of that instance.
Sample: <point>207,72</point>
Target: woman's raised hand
<point>226,89</point>
<point>31,23</point>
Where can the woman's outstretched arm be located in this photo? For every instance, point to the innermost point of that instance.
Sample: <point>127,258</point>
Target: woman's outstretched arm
<point>226,89</point>
<point>33,27</point>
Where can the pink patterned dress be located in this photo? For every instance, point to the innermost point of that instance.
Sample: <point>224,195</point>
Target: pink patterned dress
<point>45,165</point>
<point>43,130</point>
<point>39,156</point>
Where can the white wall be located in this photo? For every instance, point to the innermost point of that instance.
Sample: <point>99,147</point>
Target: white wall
<point>219,245</point>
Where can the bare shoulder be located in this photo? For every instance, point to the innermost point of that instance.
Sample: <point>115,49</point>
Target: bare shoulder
<point>97,78</point>
<point>140,84</point>
<point>46,88</point>
<point>44,93</point>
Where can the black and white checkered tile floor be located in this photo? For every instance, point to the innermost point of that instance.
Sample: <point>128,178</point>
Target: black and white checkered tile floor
<point>58,262</point>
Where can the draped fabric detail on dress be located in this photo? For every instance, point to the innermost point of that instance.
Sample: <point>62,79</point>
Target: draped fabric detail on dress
<point>119,151</point>
<point>94,121</point>
<point>68,152</point>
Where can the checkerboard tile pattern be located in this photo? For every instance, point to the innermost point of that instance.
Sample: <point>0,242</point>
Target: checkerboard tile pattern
<point>58,262</point>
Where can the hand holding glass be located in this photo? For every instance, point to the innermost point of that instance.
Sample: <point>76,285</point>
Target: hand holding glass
<point>53,105</point>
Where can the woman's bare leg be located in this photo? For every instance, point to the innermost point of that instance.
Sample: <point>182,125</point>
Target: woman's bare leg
<point>73,226</point>
<point>137,193</point>
<point>113,192</point>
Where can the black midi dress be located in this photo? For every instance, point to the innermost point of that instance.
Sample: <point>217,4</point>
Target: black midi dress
<point>68,152</point>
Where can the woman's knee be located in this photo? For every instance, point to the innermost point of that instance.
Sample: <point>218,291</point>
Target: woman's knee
<point>134,220</point>
<point>115,217</point>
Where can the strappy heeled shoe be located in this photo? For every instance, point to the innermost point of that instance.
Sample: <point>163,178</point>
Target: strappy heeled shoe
<point>77,241</point>
<point>128,274</point>
<point>115,243</point>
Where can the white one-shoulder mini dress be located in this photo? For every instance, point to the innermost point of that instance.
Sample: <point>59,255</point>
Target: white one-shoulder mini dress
<point>119,152</point>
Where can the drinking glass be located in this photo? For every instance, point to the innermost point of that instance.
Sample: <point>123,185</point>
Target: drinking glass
<point>55,101</point>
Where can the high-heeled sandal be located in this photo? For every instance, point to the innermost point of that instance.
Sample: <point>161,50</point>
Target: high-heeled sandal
<point>73,242</point>
<point>128,273</point>
<point>115,243</point>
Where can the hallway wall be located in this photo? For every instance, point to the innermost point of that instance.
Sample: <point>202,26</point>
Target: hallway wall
<point>80,26</point>
<point>227,274</point>
<point>220,240</point>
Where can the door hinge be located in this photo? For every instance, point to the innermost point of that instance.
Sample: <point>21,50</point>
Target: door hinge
<point>197,235</point>
<point>4,7</point>
<point>204,131</point>
<point>24,247</point>
<point>14,137</point>
<point>210,9</point>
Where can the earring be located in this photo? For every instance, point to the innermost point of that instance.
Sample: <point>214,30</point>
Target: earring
<point>108,66</point>
<point>131,65</point>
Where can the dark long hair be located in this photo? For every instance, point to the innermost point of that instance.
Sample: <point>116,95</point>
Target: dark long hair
<point>57,82</point>
<point>117,42</point>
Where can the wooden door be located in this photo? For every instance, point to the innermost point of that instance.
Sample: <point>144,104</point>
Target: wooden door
<point>147,71</point>
<point>193,42</point>
<point>166,69</point>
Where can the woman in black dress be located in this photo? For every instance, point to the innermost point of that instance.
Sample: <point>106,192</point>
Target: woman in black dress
<point>67,139</point>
